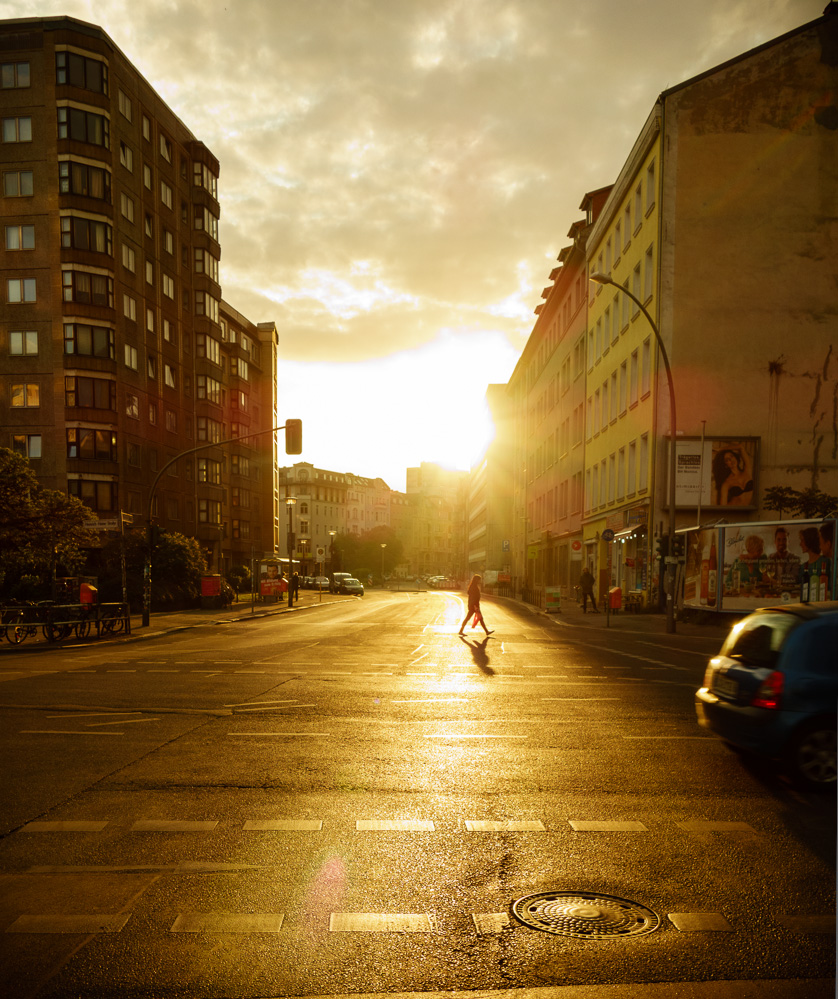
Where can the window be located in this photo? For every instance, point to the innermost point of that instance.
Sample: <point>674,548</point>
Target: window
<point>129,258</point>
<point>86,234</point>
<point>87,288</point>
<point>169,375</point>
<point>90,341</point>
<point>206,263</point>
<point>17,129</point>
<point>632,461</point>
<point>171,421</point>
<point>209,512</point>
<point>209,430</point>
<point>240,401</point>
<point>84,126</point>
<point>126,157</point>
<point>647,367</point>
<point>85,442</point>
<point>168,286</point>
<point>643,471</point>
<point>29,445</point>
<point>131,357</point>
<point>614,399</point>
<point>147,179</point>
<point>649,275</point>
<point>149,320</point>
<point>20,237</point>
<point>151,366</point>
<point>241,466</point>
<point>627,227</point>
<point>96,494</point>
<point>132,406</point>
<point>240,367</point>
<point>165,148</point>
<point>623,386</point>
<point>20,290</point>
<point>209,389</point>
<point>204,177</point>
<point>168,241</point>
<point>133,453</point>
<point>149,272</point>
<point>168,331</point>
<point>149,225</point>
<point>204,219</point>
<point>650,187</point>
<point>633,380</point>
<point>638,206</point>
<point>125,107</point>
<point>635,287</point>
<point>166,194</point>
<point>81,178</point>
<point>129,307</point>
<point>209,348</point>
<point>18,184</point>
<point>23,342</point>
<point>126,207</point>
<point>26,395</point>
<point>209,471</point>
<point>95,393</point>
<point>146,129</point>
<point>80,71</point>
<point>152,413</point>
<point>206,305</point>
<point>14,75</point>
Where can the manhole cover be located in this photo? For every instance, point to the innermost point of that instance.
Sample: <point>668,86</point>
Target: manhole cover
<point>584,914</point>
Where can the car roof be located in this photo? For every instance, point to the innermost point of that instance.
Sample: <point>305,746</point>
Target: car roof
<point>807,612</point>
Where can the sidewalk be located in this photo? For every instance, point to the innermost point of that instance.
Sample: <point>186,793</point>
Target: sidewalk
<point>167,622</point>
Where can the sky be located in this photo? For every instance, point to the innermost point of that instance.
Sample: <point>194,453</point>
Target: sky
<point>398,178</point>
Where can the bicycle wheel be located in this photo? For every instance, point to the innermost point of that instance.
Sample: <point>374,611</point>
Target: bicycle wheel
<point>16,634</point>
<point>82,629</point>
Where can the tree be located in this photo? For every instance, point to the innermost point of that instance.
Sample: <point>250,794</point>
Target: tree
<point>43,532</point>
<point>178,563</point>
<point>362,553</point>
<point>780,498</point>
<point>809,504</point>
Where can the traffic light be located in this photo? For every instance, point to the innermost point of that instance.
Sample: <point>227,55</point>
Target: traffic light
<point>293,436</point>
<point>678,546</point>
<point>154,535</point>
<point>662,546</point>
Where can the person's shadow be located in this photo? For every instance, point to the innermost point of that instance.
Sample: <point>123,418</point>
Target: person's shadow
<point>479,655</point>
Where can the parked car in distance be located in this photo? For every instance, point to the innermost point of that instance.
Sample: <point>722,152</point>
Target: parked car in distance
<point>772,690</point>
<point>335,580</point>
<point>351,585</point>
<point>320,583</point>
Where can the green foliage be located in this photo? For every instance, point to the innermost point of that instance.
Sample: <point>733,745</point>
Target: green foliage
<point>177,565</point>
<point>239,577</point>
<point>353,552</point>
<point>42,531</point>
<point>809,504</point>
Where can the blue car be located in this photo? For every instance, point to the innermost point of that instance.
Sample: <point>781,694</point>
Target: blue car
<point>773,690</point>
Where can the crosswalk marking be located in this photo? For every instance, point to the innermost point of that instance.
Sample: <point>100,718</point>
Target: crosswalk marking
<point>172,825</point>
<point>283,825</point>
<point>228,922</point>
<point>490,923</point>
<point>508,825</point>
<point>700,922</point>
<point>69,924</point>
<point>68,826</point>
<point>402,825</point>
<point>381,922</point>
<point>585,826</point>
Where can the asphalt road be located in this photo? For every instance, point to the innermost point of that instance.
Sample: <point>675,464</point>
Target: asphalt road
<point>348,801</point>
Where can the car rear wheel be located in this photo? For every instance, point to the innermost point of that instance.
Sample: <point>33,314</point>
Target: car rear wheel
<point>811,761</point>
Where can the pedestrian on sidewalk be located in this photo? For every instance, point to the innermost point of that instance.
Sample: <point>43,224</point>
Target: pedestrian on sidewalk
<point>474,604</point>
<point>586,583</point>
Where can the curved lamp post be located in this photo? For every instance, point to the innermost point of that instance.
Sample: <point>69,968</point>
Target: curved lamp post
<point>599,278</point>
<point>382,563</point>
<point>289,502</point>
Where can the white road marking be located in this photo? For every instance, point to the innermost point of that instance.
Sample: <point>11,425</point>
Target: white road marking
<point>508,825</point>
<point>700,922</point>
<point>580,698</point>
<point>435,700</point>
<point>283,825</point>
<point>124,721</point>
<point>381,922</point>
<point>40,827</point>
<point>69,924</point>
<point>236,735</point>
<point>584,826</point>
<point>398,825</point>
<point>808,924</point>
<point>251,704</point>
<point>172,825</point>
<point>96,714</point>
<point>490,923</point>
<point>462,735</point>
<point>228,922</point>
<point>44,731</point>
<point>713,826</point>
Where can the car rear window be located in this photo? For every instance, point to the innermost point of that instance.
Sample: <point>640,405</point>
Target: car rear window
<point>758,639</point>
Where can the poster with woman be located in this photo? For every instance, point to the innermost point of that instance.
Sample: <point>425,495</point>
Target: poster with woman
<point>732,473</point>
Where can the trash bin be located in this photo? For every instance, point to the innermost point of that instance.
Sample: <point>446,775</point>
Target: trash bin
<point>615,598</point>
<point>88,594</point>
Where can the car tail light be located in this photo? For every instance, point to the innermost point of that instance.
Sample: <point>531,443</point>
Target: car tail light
<point>769,693</point>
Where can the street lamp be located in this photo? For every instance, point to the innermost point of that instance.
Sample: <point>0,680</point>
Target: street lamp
<point>382,563</point>
<point>289,502</point>
<point>331,542</point>
<point>599,278</point>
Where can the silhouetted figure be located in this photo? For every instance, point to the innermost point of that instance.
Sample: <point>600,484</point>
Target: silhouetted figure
<point>474,604</point>
<point>586,584</point>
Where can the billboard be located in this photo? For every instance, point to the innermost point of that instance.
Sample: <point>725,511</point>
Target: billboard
<point>271,581</point>
<point>716,473</point>
<point>739,567</point>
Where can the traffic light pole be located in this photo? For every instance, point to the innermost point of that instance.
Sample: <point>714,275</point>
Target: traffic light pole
<point>293,445</point>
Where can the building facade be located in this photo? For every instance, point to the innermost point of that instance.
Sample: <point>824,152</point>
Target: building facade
<point>118,352</point>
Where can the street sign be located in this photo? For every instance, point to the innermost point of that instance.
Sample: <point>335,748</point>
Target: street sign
<point>607,534</point>
<point>319,554</point>
<point>111,524</point>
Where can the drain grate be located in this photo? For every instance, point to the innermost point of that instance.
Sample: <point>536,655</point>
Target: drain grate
<point>585,915</point>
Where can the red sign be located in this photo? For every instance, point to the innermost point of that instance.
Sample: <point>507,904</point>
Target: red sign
<point>576,546</point>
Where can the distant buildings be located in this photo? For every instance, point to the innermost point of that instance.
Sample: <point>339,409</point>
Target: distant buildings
<point>723,223</point>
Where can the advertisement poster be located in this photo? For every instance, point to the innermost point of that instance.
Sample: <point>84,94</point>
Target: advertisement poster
<point>739,567</point>
<point>271,581</point>
<point>716,473</point>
